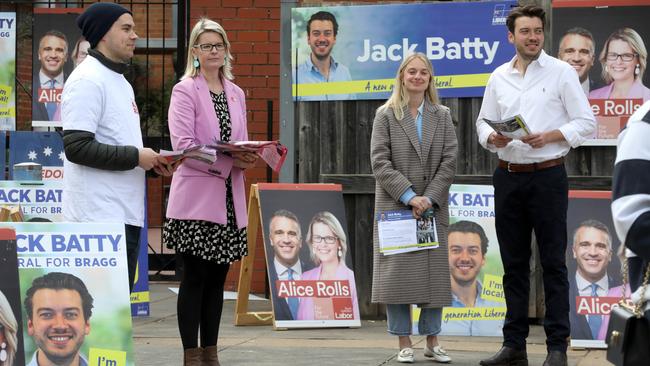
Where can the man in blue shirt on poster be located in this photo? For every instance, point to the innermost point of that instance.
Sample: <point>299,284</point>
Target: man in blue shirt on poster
<point>467,245</point>
<point>320,66</point>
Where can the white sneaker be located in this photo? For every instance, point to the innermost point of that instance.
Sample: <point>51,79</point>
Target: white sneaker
<point>405,355</point>
<point>437,353</point>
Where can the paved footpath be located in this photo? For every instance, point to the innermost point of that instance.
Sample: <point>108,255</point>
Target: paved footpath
<point>157,342</point>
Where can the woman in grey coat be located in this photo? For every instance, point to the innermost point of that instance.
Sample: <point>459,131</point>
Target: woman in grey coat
<point>413,156</point>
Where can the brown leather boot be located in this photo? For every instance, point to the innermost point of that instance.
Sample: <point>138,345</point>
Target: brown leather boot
<point>193,357</point>
<point>210,356</point>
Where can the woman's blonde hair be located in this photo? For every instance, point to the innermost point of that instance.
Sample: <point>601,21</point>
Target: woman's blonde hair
<point>202,26</point>
<point>10,327</point>
<point>400,97</point>
<point>327,218</point>
<point>632,38</point>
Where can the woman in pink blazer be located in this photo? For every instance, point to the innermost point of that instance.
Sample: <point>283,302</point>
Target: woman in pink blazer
<point>328,247</point>
<point>206,212</point>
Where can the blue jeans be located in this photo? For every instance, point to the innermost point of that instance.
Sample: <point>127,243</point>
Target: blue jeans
<point>399,320</point>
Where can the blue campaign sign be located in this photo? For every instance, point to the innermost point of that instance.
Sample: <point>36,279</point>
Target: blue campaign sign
<point>45,148</point>
<point>464,41</point>
<point>3,154</point>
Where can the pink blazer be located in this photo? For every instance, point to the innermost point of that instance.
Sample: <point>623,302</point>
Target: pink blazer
<point>638,90</point>
<point>306,307</point>
<point>198,190</point>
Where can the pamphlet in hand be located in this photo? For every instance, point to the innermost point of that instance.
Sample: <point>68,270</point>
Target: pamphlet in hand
<point>199,152</point>
<point>400,232</point>
<point>272,152</point>
<point>513,127</point>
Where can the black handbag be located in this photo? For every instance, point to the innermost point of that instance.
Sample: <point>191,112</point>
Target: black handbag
<point>628,331</point>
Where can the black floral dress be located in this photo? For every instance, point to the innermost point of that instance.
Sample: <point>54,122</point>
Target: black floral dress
<point>208,240</point>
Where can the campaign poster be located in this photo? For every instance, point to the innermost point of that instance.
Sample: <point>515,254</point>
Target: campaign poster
<point>140,304</point>
<point>606,41</point>
<point>475,267</point>
<point>38,201</point>
<point>57,48</point>
<point>11,327</point>
<point>76,275</point>
<point>360,57</point>
<point>594,268</point>
<point>7,71</point>
<point>44,148</point>
<point>308,256</point>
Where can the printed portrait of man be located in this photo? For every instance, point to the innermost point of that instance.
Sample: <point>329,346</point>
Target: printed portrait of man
<point>285,239</point>
<point>58,307</point>
<point>320,66</point>
<point>592,250</point>
<point>48,84</point>
<point>467,245</point>
<point>577,48</point>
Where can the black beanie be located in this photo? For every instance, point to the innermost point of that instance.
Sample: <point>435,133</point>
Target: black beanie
<point>97,19</point>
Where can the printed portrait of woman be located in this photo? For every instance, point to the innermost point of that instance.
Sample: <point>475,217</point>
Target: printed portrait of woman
<point>8,330</point>
<point>623,59</point>
<point>328,247</point>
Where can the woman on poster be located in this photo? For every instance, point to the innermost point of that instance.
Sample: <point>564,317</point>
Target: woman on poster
<point>624,60</point>
<point>8,329</point>
<point>328,247</point>
<point>413,155</point>
<point>206,213</point>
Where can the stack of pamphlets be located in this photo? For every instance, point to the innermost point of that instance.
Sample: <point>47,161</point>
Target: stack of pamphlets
<point>400,232</point>
<point>513,127</point>
<point>272,152</point>
<point>201,153</point>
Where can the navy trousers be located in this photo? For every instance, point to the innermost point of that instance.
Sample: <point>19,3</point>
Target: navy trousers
<point>525,202</point>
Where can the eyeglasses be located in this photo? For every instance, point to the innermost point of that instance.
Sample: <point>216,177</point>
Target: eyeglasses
<point>207,47</point>
<point>326,239</point>
<point>627,57</point>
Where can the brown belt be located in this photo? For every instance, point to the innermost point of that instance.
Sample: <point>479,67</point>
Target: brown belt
<point>529,168</point>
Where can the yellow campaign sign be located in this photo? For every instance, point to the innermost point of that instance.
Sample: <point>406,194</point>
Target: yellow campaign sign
<point>7,112</point>
<point>384,85</point>
<point>493,288</point>
<point>106,357</point>
<point>5,93</point>
<point>482,313</point>
<point>139,297</point>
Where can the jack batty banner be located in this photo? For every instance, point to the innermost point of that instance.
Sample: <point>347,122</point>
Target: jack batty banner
<point>308,256</point>
<point>76,274</point>
<point>7,71</point>
<point>478,303</point>
<point>606,41</point>
<point>464,41</point>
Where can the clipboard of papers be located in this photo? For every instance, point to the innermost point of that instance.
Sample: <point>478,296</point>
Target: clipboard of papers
<point>400,232</point>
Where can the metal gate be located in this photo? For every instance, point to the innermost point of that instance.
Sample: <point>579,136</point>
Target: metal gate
<point>158,63</point>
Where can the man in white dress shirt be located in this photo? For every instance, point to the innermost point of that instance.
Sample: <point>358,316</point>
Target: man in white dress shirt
<point>530,183</point>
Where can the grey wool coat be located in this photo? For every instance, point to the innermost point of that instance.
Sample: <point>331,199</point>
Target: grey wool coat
<point>400,161</point>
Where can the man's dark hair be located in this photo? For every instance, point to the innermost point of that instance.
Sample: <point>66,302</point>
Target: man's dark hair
<point>323,15</point>
<point>472,228</point>
<point>59,281</point>
<point>531,11</point>
<point>596,225</point>
<point>579,31</point>
<point>54,33</point>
